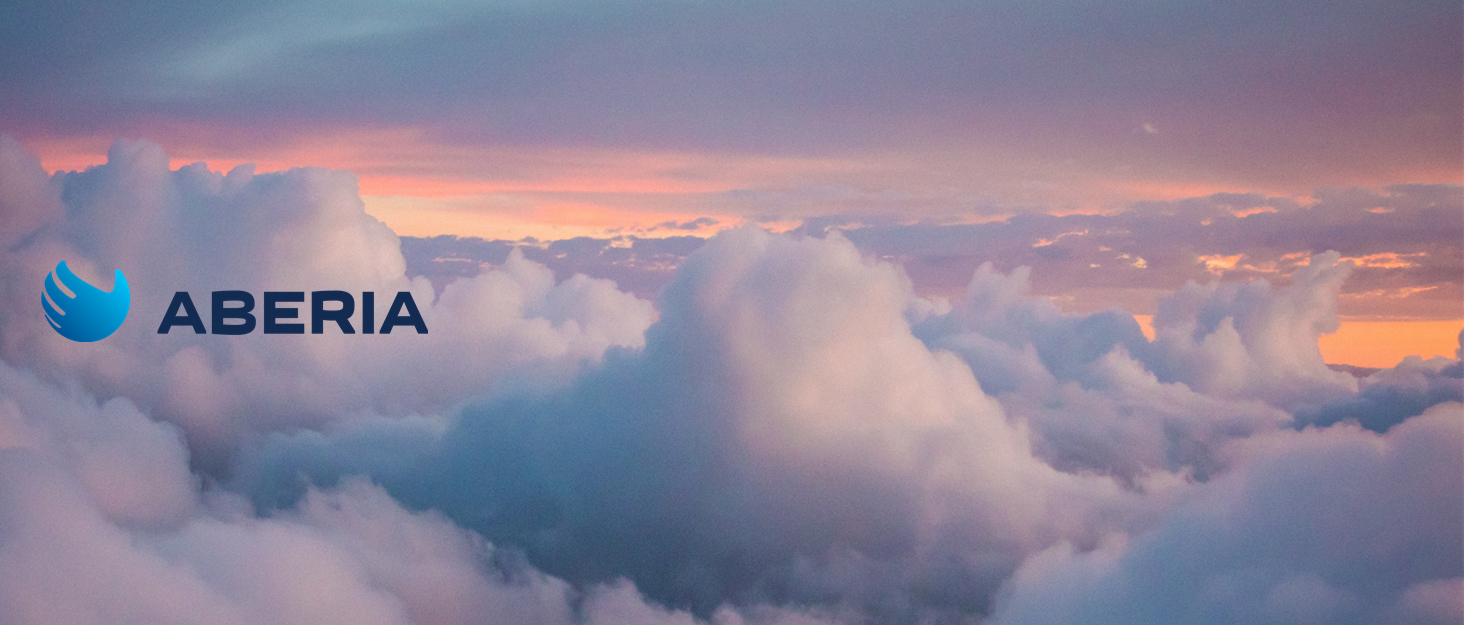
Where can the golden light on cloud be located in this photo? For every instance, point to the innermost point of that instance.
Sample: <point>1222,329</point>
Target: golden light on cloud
<point>1253,211</point>
<point>1397,293</point>
<point>1386,261</point>
<point>1047,242</point>
<point>1218,264</point>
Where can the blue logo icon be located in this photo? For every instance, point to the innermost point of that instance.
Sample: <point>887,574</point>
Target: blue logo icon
<point>93,314</point>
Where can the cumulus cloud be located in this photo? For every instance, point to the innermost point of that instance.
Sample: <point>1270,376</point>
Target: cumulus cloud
<point>1249,340</point>
<point>1390,396</point>
<point>792,434</point>
<point>801,427</point>
<point>1339,525</point>
<point>1084,385</point>
<point>302,230</point>
<point>102,522</point>
<point>782,435</point>
<point>134,469</point>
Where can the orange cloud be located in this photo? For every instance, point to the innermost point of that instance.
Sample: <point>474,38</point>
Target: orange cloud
<point>1218,264</point>
<point>1386,261</point>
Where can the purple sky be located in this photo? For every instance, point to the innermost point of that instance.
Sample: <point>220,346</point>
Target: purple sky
<point>994,103</point>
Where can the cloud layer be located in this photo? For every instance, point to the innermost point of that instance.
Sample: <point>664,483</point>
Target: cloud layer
<point>1402,243</point>
<point>790,434</point>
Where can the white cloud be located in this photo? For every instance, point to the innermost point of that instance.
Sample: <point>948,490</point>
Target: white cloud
<point>791,436</point>
<point>1255,342</point>
<point>1339,525</point>
<point>103,523</point>
<point>301,230</point>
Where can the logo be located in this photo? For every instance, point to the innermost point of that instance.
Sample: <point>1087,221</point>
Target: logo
<point>336,306</point>
<point>92,314</point>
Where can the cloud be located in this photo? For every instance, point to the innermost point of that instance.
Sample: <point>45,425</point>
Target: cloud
<point>793,433</point>
<point>781,435</point>
<point>695,224</point>
<point>1339,525</point>
<point>801,428</point>
<point>134,469</point>
<point>302,230</point>
<point>28,196</point>
<point>1403,242</point>
<point>643,267</point>
<point>1247,340</point>
<point>1390,396</point>
<point>103,522</point>
<point>1084,386</point>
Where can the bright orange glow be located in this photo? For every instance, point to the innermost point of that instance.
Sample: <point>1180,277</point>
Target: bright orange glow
<point>1386,343</point>
<point>1146,324</point>
<point>70,154</point>
<point>1368,343</point>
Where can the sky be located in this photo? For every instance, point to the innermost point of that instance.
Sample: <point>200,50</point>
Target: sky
<point>556,120</point>
<point>815,313</point>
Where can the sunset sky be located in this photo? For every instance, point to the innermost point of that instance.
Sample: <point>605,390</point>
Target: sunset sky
<point>763,312</point>
<point>560,119</point>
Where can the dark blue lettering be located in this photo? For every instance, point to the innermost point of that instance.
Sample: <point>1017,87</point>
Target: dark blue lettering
<point>220,313</point>
<point>368,313</point>
<point>273,312</point>
<point>188,318</point>
<point>342,316</point>
<point>394,316</point>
